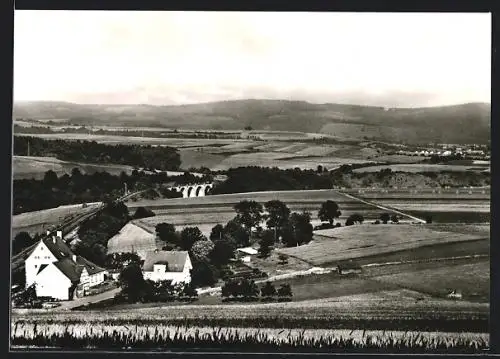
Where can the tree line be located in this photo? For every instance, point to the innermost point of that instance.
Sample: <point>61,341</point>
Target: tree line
<point>162,158</point>
<point>77,187</point>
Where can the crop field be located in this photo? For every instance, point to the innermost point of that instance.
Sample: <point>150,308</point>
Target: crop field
<point>110,139</point>
<point>221,154</point>
<point>210,210</point>
<point>38,221</point>
<point>338,244</point>
<point>462,205</point>
<point>35,167</point>
<point>418,167</point>
<point>471,279</point>
<point>193,338</point>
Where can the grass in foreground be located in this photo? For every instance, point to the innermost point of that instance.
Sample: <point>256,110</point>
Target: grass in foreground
<point>78,336</point>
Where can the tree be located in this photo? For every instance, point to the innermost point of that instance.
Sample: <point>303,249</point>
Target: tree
<point>278,214</point>
<point>234,231</point>
<point>285,292</point>
<point>230,289</point>
<point>394,218</point>
<point>166,233</point>
<point>201,249</point>
<point>354,218</point>
<point>268,291</point>
<point>248,128</point>
<point>299,230</point>
<point>203,274</point>
<point>50,179</point>
<point>21,241</point>
<point>132,283</point>
<point>384,217</point>
<point>319,169</point>
<point>428,219</point>
<point>265,243</point>
<point>223,251</point>
<point>248,213</point>
<point>329,211</point>
<point>216,232</point>
<point>189,291</point>
<point>143,212</point>
<point>121,260</point>
<point>189,236</point>
<point>248,289</point>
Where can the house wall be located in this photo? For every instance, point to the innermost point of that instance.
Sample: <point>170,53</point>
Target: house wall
<point>41,255</point>
<point>91,280</point>
<point>51,282</point>
<point>160,273</point>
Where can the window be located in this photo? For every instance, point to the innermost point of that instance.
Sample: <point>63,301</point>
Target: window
<point>36,266</point>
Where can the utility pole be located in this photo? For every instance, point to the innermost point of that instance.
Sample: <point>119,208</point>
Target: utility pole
<point>28,148</point>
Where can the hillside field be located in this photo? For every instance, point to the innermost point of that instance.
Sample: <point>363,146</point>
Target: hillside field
<point>422,167</point>
<point>331,246</point>
<point>38,221</point>
<point>463,205</point>
<point>24,167</point>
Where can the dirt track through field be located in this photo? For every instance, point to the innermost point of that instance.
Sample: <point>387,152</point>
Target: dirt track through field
<point>383,208</point>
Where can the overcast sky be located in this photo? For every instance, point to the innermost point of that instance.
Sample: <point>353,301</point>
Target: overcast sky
<point>187,57</point>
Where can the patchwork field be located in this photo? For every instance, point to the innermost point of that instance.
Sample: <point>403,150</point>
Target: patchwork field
<point>275,150</point>
<point>38,221</point>
<point>334,245</point>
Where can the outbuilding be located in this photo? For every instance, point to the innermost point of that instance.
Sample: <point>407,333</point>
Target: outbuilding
<point>349,268</point>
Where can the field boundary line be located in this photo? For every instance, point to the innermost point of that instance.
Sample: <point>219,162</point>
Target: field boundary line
<point>382,207</point>
<point>426,260</point>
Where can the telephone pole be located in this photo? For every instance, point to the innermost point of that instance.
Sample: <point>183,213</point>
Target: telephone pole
<point>28,148</point>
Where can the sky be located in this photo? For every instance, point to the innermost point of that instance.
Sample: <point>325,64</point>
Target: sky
<point>165,58</point>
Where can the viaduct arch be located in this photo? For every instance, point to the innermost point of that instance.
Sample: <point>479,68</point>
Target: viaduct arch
<point>195,190</point>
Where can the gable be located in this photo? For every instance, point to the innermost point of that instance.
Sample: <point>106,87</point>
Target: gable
<point>41,251</point>
<point>52,274</point>
<point>176,260</point>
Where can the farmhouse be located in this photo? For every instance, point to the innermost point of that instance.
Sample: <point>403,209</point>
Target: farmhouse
<point>167,265</point>
<point>348,268</point>
<point>56,271</point>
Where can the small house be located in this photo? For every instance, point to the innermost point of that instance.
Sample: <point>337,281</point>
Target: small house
<point>167,265</point>
<point>349,268</point>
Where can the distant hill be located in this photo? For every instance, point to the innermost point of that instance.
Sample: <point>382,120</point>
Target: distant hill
<point>464,123</point>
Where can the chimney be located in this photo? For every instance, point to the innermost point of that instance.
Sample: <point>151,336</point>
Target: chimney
<point>48,232</point>
<point>54,239</point>
<point>74,258</point>
<point>59,234</point>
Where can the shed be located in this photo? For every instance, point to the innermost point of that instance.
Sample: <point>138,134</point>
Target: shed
<point>349,268</point>
<point>248,251</point>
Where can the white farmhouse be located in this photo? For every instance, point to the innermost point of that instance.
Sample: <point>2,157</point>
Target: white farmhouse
<point>167,265</point>
<point>56,270</point>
